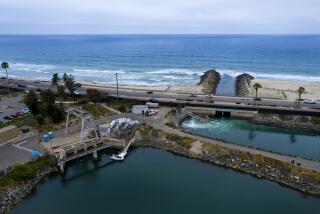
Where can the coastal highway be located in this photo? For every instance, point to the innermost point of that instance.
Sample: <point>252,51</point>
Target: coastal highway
<point>200,100</point>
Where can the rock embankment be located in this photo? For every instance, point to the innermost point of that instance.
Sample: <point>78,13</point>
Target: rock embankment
<point>285,174</point>
<point>15,194</point>
<point>209,81</point>
<point>288,121</point>
<point>243,85</point>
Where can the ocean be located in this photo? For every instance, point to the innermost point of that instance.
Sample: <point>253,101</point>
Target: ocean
<point>162,59</point>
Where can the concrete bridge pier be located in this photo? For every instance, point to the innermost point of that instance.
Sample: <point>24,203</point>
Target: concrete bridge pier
<point>61,165</point>
<point>219,113</point>
<point>95,155</point>
<point>226,114</point>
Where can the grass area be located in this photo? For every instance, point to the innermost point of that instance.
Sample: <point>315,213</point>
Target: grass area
<point>315,120</point>
<point>171,125</point>
<point>25,120</point>
<point>170,113</point>
<point>122,105</point>
<point>28,120</point>
<point>96,110</point>
<point>24,172</point>
<point>181,141</point>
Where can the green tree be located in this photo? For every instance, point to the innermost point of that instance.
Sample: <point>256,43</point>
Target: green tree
<point>69,83</point>
<point>31,100</point>
<point>5,66</point>
<point>47,98</point>
<point>94,95</point>
<point>300,91</point>
<point>256,86</point>
<point>55,79</point>
<point>57,114</point>
<point>40,120</point>
<point>61,92</point>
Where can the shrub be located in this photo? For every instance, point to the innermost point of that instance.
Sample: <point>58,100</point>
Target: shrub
<point>171,125</point>
<point>57,114</point>
<point>31,100</point>
<point>122,108</point>
<point>83,101</point>
<point>94,95</point>
<point>315,120</point>
<point>146,139</point>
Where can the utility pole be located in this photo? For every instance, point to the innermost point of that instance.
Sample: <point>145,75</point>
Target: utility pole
<point>117,86</point>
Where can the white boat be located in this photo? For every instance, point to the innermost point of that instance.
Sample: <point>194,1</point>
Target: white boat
<point>118,157</point>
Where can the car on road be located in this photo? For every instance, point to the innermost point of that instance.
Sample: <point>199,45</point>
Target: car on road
<point>209,96</point>
<point>193,95</point>
<point>36,81</point>
<point>77,85</point>
<point>149,92</point>
<point>153,100</point>
<point>21,86</point>
<point>310,101</point>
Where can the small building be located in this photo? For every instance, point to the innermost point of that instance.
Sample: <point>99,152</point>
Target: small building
<point>8,133</point>
<point>139,109</point>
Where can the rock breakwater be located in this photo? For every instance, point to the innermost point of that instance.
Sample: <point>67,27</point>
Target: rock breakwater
<point>243,85</point>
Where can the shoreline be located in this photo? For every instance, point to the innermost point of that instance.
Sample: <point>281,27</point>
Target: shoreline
<point>279,89</point>
<point>271,170</point>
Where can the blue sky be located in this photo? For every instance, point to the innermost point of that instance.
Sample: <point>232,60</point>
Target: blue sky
<point>160,16</point>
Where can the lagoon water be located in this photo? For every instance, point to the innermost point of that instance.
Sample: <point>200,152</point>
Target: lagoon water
<point>163,59</point>
<point>287,141</point>
<point>154,181</point>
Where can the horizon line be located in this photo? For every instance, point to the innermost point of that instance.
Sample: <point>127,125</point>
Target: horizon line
<point>155,34</point>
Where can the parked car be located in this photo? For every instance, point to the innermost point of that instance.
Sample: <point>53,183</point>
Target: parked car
<point>7,118</point>
<point>153,100</point>
<point>19,113</point>
<point>310,101</point>
<point>151,112</point>
<point>25,130</point>
<point>14,115</point>
<point>25,110</point>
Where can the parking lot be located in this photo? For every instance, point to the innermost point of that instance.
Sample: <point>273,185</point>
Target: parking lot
<point>20,152</point>
<point>10,106</point>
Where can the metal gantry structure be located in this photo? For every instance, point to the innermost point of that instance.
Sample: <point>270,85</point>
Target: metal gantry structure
<point>86,121</point>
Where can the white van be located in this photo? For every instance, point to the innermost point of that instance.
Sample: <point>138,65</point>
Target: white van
<point>152,105</point>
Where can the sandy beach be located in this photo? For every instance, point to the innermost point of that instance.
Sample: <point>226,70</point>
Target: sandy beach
<point>286,89</point>
<point>165,89</point>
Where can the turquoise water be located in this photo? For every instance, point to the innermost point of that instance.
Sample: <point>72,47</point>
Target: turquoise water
<point>286,141</point>
<point>154,181</point>
<point>163,59</point>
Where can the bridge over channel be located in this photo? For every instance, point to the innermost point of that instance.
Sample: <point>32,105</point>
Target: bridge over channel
<point>77,150</point>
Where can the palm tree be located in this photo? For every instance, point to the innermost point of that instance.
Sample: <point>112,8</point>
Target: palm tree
<point>256,86</point>
<point>300,91</point>
<point>5,66</point>
<point>55,79</point>
<point>69,83</point>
